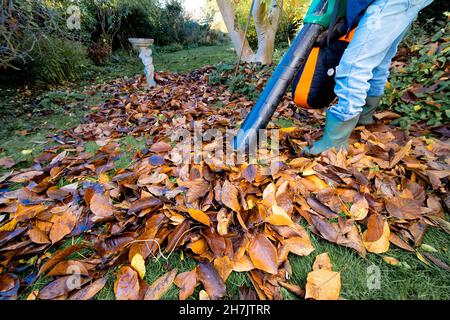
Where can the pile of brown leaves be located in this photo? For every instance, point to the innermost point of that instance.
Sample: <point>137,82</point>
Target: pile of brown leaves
<point>386,190</point>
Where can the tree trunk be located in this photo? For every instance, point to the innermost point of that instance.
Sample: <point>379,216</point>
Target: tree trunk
<point>227,9</point>
<point>266,24</point>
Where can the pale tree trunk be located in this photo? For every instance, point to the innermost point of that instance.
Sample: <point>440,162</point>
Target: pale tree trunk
<point>266,24</point>
<point>227,9</point>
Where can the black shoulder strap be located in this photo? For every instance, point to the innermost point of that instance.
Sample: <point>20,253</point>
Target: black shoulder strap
<point>333,20</point>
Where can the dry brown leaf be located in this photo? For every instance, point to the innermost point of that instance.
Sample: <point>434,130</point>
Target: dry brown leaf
<point>161,285</point>
<point>186,281</point>
<point>359,209</point>
<point>230,196</point>
<point>200,216</point>
<point>127,286</point>
<point>382,244</point>
<point>263,254</point>
<point>224,266</point>
<point>323,262</point>
<point>279,217</point>
<point>101,206</point>
<point>197,189</point>
<point>90,290</point>
<point>211,280</point>
<point>322,283</point>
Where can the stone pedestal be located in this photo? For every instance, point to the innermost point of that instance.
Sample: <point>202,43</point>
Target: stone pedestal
<point>145,54</point>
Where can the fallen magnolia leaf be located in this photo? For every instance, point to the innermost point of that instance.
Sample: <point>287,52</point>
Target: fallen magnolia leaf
<point>297,245</point>
<point>375,228</point>
<point>138,264</point>
<point>359,209</point>
<point>7,162</point>
<point>323,283</point>
<point>160,147</point>
<point>279,217</point>
<point>199,216</point>
<point>441,264</point>
<point>127,285</point>
<point>382,244</point>
<point>224,266</point>
<point>186,281</point>
<point>89,291</point>
<point>68,267</point>
<point>25,176</point>
<point>323,262</point>
<point>211,280</point>
<point>263,254</point>
<point>197,189</point>
<point>161,285</point>
<point>230,196</point>
<point>9,286</point>
<point>101,206</point>
<point>59,287</point>
<point>63,224</point>
<point>58,256</point>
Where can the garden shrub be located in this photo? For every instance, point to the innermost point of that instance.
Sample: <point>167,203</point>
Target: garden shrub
<point>56,60</point>
<point>99,52</point>
<point>419,85</point>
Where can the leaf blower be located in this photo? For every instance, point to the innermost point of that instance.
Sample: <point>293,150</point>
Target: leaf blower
<point>321,15</point>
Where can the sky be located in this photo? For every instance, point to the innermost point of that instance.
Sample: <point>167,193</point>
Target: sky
<point>194,7</point>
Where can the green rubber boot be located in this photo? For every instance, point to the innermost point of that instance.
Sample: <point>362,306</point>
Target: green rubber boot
<point>336,134</point>
<point>366,116</point>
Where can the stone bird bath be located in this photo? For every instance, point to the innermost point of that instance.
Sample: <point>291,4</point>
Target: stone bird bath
<point>145,54</point>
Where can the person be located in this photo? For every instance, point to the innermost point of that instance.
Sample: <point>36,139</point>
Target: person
<point>363,70</point>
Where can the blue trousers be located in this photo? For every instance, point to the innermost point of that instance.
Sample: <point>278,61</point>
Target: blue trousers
<point>364,68</point>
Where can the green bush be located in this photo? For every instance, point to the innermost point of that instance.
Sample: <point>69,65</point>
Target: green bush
<point>56,60</point>
<point>174,47</point>
<point>419,86</point>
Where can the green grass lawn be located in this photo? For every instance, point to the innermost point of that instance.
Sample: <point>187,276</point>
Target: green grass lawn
<point>24,134</point>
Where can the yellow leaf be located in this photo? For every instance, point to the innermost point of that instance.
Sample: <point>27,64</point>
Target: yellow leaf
<point>323,285</point>
<point>202,295</point>
<point>382,244</point>
<point>200,216</point>
<point>279,217</point>
<point>323,262</point>
<point>138,264</point>
<point>223,220</point>
<point>422,258</point>
<point>103,178</point>
<point>199,246</point>
<point>26,152</point>
<point>288,130</point>
<point>319,183</point>
<point>10,226</point>
<point>244,264</point>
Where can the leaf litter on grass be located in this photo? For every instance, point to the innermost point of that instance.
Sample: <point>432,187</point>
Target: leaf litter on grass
<point>387,189</point>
